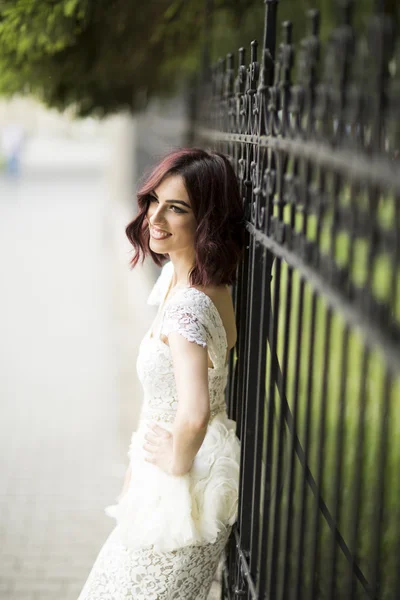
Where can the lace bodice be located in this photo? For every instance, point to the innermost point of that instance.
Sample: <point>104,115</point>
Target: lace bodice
<point>193,314</point>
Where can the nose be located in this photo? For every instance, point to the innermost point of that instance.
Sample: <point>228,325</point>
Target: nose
<point>154,215</point>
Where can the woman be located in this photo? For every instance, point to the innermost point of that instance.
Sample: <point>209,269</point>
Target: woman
<point>179,500</point>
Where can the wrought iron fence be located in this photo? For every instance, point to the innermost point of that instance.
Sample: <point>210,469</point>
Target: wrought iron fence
<point>314,384</point>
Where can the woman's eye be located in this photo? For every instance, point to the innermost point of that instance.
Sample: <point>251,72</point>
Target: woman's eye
<point>174,208</point>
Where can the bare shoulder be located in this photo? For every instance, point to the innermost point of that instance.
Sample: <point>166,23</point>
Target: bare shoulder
<point>222,298</point>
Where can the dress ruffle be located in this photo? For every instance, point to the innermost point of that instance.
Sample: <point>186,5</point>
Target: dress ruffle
<point>170,512</point>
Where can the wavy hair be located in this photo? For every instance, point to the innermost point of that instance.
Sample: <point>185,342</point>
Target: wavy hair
<point>213,189</point>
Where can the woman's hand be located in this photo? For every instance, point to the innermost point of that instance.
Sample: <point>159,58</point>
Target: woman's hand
<point>159,448</point>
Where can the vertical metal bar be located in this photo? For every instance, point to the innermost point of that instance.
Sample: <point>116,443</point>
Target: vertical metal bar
<point>338,467</point>
<point>272,376</point>
<point>381,462</point>
<point>396,201</point>
<point>303,513</point>
<point>288,519</point>
<point>242,380</point>
<point>269,42</point>
<point>262,310</point>
<point>313,591</point>
<point>234,365</point>
<point>376,545</point>
<point>247,508</point>
<point>288,534</point>
<point>396,574</point>
<point>350,585</point>
<point>232,362</point>
<point>277,519</point>
<point>357,478</point>
<point>276,527</point>
<point>298,571</point>
<point>241,353</point>
<point>240,371</point>
<point>339,441</point>
<point>229,384</point>
<point>241,322</point>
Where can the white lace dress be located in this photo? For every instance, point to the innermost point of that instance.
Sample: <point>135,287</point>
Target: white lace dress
<point>171,530</point>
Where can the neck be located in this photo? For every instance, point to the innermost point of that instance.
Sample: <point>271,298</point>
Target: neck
<point>182,267</point>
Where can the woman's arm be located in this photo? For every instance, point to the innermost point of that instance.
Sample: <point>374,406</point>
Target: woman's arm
<point>191,376</point>
<point>174,451</point>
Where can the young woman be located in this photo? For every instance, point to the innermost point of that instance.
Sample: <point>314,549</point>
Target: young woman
<point>180,496</point>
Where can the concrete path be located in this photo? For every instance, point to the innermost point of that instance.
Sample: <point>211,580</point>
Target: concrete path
<point>71,317</point>
<point>65,415</point>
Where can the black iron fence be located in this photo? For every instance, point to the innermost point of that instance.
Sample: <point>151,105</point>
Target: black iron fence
<point>314,384</point>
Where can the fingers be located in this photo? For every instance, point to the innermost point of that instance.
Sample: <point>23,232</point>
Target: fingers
<point>153,440</point>
<point>150,452</point>
<point>160,431</point>
<point>149,447</point>
<point>151,437</point>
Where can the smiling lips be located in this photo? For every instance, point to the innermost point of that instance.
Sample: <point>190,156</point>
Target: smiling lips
<point>159,234</point>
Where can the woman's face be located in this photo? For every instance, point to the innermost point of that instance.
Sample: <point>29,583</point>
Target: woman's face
<point>170,216</point>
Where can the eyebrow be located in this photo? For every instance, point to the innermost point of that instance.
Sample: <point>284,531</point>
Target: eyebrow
<point>172,201</point>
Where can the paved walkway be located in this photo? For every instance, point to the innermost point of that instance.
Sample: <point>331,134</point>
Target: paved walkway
<point>65,417</point>
<point>69,398</point>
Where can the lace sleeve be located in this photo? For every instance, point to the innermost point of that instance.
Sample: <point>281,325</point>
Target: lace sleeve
<point>185,320</point>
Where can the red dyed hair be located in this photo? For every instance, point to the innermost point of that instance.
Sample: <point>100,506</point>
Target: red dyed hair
<point>212,187</point>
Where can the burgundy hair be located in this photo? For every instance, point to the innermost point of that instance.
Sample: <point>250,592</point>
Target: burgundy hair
<point>212,187</point>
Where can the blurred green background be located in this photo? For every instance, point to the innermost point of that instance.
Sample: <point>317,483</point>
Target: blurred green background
<point>102,56</point>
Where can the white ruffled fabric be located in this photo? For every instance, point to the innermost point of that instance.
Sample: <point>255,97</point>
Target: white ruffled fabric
<point>170,512</point>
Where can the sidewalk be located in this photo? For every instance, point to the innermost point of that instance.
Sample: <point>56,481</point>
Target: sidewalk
<point>71,318</point>
<point>67,365</point>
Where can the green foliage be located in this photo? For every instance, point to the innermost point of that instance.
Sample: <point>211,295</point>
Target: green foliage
<point>30,29</point>
<point>105,55</point>
<point>100,56</point>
